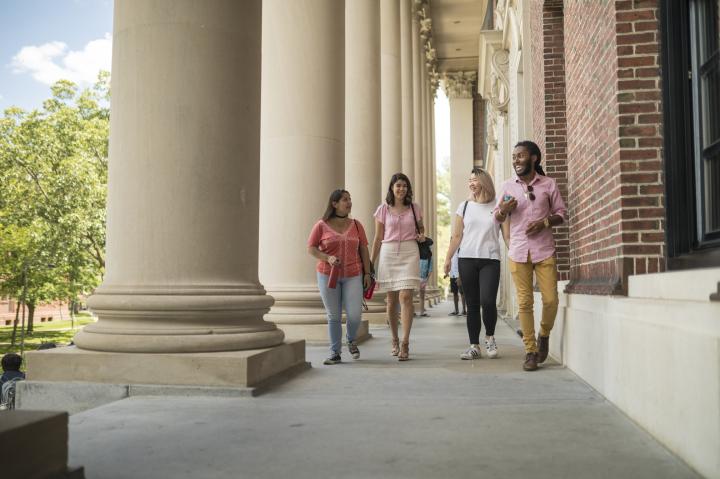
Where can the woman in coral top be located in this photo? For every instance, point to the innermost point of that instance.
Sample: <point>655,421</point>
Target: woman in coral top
<point>340,242</point>
<point>399,266</point>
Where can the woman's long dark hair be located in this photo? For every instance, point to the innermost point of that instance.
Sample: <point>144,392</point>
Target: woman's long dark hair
<point>335,196</point>
<point>390,198</point>
<point>533,149</point>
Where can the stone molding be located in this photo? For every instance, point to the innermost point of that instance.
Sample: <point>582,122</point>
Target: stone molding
<point>459,84</point>
<point>422,16</point>
<point>493,84</point>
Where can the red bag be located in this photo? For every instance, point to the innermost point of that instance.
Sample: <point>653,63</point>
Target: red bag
<point>368,293</point>
<point>334,275</point>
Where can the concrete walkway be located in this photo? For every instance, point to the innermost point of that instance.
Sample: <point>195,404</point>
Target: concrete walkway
<point>432,417</point>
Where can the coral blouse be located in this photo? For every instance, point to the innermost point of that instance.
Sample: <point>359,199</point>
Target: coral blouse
<point>342,245</point>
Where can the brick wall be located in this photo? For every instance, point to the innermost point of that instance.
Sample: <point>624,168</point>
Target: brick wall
<point>549,107</point>
<point>640,134</point>
<point>613,143</point>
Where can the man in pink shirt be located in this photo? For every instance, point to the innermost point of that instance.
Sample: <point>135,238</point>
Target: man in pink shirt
<point>531,202</point>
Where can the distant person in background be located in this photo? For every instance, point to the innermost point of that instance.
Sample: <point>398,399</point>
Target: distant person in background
<point>456,287</point>
<point>425,270</point>
<point>11,364</point>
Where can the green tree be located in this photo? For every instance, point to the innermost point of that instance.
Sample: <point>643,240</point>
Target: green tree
<point>443,217</point>
<point>53,172</point>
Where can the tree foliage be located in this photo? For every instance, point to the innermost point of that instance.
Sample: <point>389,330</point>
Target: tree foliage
<point>53,181</point>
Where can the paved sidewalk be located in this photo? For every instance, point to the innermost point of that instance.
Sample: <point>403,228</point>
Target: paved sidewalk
<point>432,417</point>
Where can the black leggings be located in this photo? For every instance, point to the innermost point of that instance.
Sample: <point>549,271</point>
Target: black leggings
<point>480,279</point>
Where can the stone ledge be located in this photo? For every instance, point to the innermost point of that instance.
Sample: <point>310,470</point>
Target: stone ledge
<point>75,397</point>
<point>36,445</point>
<point>224,369</point>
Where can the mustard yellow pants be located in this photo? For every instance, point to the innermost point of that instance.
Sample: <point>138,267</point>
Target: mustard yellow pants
<point>546,274</point>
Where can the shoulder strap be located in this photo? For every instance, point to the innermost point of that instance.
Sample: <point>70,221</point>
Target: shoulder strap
<point>417,228</point>
<point>464,208</point>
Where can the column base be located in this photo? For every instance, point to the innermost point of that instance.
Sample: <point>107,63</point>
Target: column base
<point>247,368</point>
<point>376,319</point>
<point>317,334</point>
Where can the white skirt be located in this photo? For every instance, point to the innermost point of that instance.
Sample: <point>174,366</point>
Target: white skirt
<point>399,266</point>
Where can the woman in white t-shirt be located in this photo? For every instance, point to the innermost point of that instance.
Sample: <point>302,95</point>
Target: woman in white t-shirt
<point>476,234</point>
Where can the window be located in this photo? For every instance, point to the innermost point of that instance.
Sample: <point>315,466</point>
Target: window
<point>705,76</point>
<point>691,104</point>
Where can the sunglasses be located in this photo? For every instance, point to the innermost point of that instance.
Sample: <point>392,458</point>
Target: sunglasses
<point>529,193</point>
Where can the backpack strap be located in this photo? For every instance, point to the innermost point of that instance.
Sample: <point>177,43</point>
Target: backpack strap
<point>465,208</point>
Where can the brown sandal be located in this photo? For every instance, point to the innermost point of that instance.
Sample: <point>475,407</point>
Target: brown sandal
<point>404,352</point>
<point>395,347</point>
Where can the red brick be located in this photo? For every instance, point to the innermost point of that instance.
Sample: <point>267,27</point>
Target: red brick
<point>633,154</point>
<point>636,84</point>
<point>635,38</point>
<point>635,15</point>
<point>638,108</point>
<point>624,62</point>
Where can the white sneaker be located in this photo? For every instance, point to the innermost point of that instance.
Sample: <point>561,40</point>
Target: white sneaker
<point>473,352</point>
<point>491,347</point>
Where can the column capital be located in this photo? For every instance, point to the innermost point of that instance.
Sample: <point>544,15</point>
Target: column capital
<point>459,84</point>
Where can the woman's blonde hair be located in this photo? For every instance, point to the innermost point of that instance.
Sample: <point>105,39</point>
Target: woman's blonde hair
<point>487,188</point>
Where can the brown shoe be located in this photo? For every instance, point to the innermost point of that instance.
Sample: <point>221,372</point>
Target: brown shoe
<point>395,347</point>
<point>543,348</point>
<point>404,352</point>
<point>530,363</point>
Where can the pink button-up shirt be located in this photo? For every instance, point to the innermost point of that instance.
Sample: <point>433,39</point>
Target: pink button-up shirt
<point>548,202</point>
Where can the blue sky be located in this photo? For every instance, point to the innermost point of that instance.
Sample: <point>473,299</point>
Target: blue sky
<point>41,40</point>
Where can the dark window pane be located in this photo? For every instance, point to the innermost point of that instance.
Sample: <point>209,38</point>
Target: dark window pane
<point>712,194</point>
<point>710,102</point>
<point>708,29</point>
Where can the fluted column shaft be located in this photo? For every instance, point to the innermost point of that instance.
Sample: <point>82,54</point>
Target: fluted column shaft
<point>362,109</point>
<point>406,58</point>
<point>303,147</point>
<point>417,107</point>
<point>362,122</point>
<point>391,108</point>
<point>182,219</point>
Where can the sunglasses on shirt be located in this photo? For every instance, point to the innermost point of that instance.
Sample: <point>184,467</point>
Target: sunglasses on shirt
<point>529,193</point>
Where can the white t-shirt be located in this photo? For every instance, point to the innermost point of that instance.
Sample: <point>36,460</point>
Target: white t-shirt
<point>481,233</point>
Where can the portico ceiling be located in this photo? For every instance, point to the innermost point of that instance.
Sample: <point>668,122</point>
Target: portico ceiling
<point>456,27</point>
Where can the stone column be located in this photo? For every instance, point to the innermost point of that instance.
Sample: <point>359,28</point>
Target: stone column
<point>182,219</point>
<point>417,107</point>
<point>419,183</point>
<point>406,58</point>
<point>433,193</point>
<point>390,93</point>
<point>302,152</point>
<point>458,87</point>
<point>362,123</point>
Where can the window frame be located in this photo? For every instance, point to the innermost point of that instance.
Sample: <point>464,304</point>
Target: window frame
<point>684,233</point>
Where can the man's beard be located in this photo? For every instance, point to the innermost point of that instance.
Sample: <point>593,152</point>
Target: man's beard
<point>526,171</point>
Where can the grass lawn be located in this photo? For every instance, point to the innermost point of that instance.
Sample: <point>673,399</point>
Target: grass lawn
<point>59,332</point>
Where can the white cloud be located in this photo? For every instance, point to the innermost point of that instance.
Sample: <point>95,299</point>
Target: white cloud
<point>50,62</point>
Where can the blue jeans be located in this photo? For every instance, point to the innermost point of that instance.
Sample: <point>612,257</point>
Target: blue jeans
<point>348,294</point>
